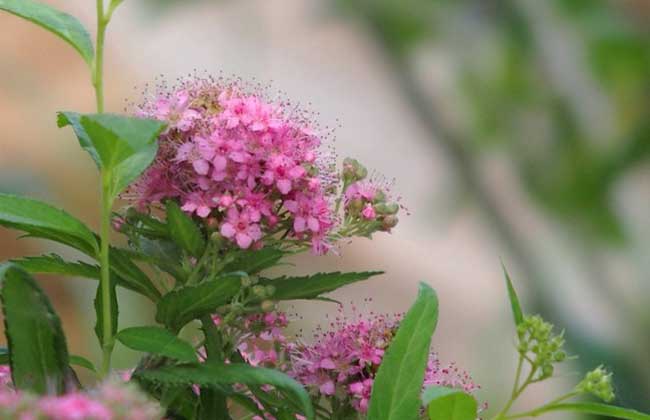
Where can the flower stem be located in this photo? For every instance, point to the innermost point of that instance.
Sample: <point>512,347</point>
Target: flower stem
<point>105,284</point>
<point>106,202</point>
<point>98,65</point>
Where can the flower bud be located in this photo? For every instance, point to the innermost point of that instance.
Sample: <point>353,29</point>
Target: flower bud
<point>389,222</point>
<point>131,214</point>
<point>387,208</point>
<point>380,197</point>
<point>353,171</point>
<point>246,281</point>
<point>267,305</point>
<point>270,290</point>
<point>216,238</point>
<point>355,206</point>
<point>212,223</point>
<point>259,291</point>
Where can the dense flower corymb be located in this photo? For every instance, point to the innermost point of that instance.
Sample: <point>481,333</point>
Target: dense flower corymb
<point>251,169</point>
<point>344,360</point>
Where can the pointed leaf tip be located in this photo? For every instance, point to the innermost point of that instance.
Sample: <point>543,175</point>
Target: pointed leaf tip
<point>517,313</point>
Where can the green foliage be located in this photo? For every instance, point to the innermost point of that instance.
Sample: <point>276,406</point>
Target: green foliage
<point>83,362</point>
<point>157,340</point>
<point>112,315</point>
<point>183,305</point>
<point>222,376</point>
<point>517,313</point>
<point>54,264</point>
<point>311,287</point>
<point>398,385</point>
<point>122,147</point>
<point>41,220</point>
<point>37,347</point>
<point>130,276</point>
<point>599,409</point>
<point>598,382</point>
<point>61,24</point>
<point>449,404</point>
<point>252,262</point>
<point>183,230</point>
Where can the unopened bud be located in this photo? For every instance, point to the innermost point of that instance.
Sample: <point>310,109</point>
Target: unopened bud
<point>216,238</point>
<point>212,223</point>
<point>246,281</point>
<point>270,290</point>
<point>387,208</point>
<point>259,291</point>
<point>267,306</point>
<point>389,222</point>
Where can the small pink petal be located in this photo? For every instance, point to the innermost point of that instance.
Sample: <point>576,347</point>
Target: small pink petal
<point>284,185</point>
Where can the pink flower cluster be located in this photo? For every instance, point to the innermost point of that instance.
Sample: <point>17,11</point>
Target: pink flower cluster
<point>247,166</point>
<point>111,401</point>
<point>345,359</point>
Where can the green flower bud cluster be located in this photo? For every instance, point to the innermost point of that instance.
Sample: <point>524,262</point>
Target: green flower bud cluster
<point>539,345</point>
<point>598,382</point>
<point>353,171</point>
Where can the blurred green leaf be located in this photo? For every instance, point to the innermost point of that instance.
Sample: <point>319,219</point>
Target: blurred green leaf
<point>183,230</point>
<point>599,409</point>
<point>54,264</point>
<point>83,362</point>
<point>37,347</point>
<point>311,287</point>
<point>221,375</point>
<point>42,220</point>
<point>183,305</point>
<point>63,25</point>
<point>252,262</point>
<point>517,313</point>
<point>157,340</point>
<point>449,404</point>
<point>397,387</point>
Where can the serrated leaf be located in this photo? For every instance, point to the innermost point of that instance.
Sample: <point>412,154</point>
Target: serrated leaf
<point>54,264</point>
<point>517,313</point>
<point>42,220</point>
<point>121,146</point>
<point>398,384</point>
<point>311,287</point>
<point>252,262</point>
<point>157,340</point>
<point>220,375</point>
<point>599,409</point>
<point>183,231</point>
<point>37,347</point>
<point>445,403</point>
<point>130,276</point>
<point>63,25</point>
<point>183,305</point>
<point>99,311</point>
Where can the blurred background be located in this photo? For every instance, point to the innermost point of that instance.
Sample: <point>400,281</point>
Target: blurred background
<point>516,130</point>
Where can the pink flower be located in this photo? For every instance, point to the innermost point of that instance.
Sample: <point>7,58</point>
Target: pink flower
<point>238,226</point>
<point>368,212</point>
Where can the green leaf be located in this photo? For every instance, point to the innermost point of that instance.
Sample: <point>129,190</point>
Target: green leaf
<point>54,264</point>
<point>311,287</point>
<point>61,24</point>
<point>183,230</point>
<point>83,362</point>
<point>517,313</point>
<point>130,276</point>
<point>37,347</point>
<point>183,305</point>
<point>449,404</point>
<point>41,220</point>
<point>599,409</point>
<point>99,310</point>
<point>122,147</point>
<point>157,340</point>
<point>398,383</point>
<point>252,262</point>
<point>220,375</point>
<point>4,356</point>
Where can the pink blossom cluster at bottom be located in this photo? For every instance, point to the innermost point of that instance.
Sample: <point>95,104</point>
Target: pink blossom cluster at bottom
<point>112,400</point>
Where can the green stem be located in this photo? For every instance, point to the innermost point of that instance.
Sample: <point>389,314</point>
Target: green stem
<point>98,64</point>
<point>542,409</point>
<point>105,282</point>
